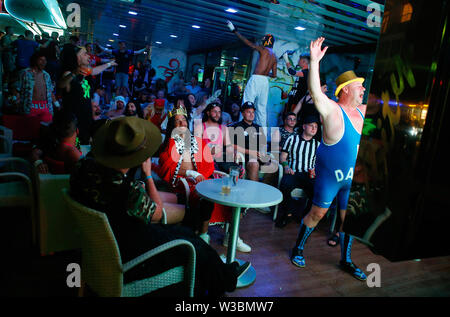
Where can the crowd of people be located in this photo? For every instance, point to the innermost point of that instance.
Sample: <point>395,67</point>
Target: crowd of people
<point>111,99</point>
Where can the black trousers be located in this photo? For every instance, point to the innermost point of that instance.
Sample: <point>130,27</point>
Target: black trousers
<point>212,277</point>
<point>290,182</point>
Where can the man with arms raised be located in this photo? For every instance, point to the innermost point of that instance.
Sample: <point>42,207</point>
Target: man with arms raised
<point>257,88</point>
<point>336,155</point>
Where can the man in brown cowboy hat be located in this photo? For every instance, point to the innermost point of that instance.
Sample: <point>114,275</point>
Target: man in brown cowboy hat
<point>134,208</point>
<point>336,155</point>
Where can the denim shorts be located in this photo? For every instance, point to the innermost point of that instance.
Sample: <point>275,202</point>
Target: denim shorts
<point>121,80</point>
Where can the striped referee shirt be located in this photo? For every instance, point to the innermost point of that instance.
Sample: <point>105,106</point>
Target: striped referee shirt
<point>301,153</point>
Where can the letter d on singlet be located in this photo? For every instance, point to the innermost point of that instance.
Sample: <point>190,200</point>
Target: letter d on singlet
<point>339,175</point>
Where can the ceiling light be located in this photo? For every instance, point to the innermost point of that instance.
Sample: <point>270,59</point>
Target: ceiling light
<point>195,26</point>
<point>231,10</point>
<point>300,28</point>
<point>132,12</point>
<point>115,34</point>
<point>235,57</point>
<point>108,44</point>
<point>158,42</point>
<point>111,40</point>
<point>174,36</point>
<point>122,26</point>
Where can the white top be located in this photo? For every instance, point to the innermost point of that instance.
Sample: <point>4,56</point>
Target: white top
<point>246,194</point>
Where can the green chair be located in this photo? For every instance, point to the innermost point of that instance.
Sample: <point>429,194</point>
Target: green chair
<point>57,228</point>
<point>102,268</point>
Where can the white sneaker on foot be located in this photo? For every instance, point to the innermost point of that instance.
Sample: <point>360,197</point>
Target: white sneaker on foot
<point>241,246</point>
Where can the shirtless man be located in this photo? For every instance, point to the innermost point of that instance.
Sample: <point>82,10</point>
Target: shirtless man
<point>336,155</point>
<point>257,88</point>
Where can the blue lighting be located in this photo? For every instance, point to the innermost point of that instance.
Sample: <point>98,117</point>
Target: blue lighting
<point>231,10</point>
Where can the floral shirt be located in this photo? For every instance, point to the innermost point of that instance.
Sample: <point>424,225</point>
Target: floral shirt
<point>284,135</point>
<point>110,191</point>
<point>26,90</point>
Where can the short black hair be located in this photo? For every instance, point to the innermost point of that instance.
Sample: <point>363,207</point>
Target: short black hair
<point>34,58</point>
<point>28,33</point>
<point>64,124</point>
<point>289,114</point>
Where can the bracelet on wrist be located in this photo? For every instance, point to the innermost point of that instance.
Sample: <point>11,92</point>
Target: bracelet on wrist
<point>284,164</point>
<point>149,177</point>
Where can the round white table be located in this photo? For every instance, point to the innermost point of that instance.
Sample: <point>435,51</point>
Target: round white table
<point>246,194</point>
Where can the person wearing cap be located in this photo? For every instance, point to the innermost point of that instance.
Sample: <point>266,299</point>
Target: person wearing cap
<point>298,157</point>
<point>249,145</point>
<point>101,181</point>
<point>118,108</point>
<point>76,91</point>
<point>257,87</point>
<point>156,113</point>
<point>336,155</point>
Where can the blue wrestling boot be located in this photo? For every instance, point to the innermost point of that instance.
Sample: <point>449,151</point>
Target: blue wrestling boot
<point>346,262</point>
<point>297,252</point>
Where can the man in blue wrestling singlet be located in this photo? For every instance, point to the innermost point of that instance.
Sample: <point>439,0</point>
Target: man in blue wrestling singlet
<point>336,155</point>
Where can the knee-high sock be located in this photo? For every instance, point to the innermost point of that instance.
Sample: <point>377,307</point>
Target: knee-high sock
<point>303,236</point>
<point>346,241</point>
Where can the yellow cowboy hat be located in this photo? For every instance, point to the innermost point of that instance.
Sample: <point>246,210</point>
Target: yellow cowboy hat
<point>346,78</point>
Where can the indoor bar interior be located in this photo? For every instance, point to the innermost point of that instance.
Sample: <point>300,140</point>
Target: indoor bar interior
<point>220,149</point>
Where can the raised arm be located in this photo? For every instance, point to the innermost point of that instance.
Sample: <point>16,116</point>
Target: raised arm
<point>97,70</point>
<point>37,25</point>
<point>141,50</point>
<point>243,38</point>
<point>321,101</point>
<point>291,69</point>
<point>299,105</point>
<point>104,49</point>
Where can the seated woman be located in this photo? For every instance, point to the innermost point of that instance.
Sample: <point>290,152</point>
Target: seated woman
<point>181,157</point>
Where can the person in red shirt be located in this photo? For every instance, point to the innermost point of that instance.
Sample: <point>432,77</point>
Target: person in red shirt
<point>186,156</point>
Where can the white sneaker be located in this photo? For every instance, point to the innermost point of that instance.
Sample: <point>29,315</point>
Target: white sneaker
<point>205,237</point>
<point>241,246</point>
